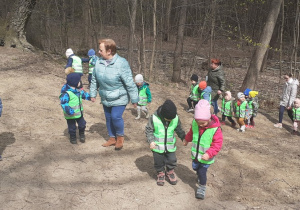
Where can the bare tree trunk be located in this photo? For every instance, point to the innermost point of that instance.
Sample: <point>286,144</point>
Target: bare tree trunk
<point>256,60</point>
<point>166,32</point>
<point>281,37</point>
<point>143,45</point>
<point>132,15</point>
<point>15,35</point>
<point>154,42</point>
<point>264,63</point>
<point>179,43</point>
<point>212,31</point>
<point>295,41</point>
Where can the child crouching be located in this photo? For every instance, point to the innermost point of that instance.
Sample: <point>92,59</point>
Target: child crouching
<point>160,135</point>
<point>207,139</point>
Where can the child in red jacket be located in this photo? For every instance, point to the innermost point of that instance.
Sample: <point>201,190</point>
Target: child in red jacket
<point>207,138</point>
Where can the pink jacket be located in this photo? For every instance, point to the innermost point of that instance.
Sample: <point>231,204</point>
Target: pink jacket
<point>217,141</point>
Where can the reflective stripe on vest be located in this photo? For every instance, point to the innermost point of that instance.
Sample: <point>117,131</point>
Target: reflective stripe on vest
<point>226,108</point>
<point>240,111</point>
<point>201,144</point>
<point>143,97</point>
<point>77,64</point>
<point>164,137</point>
<point>76,104</point>
<point>91,67</point>
<point>194,93</point>
<point>296,114</point>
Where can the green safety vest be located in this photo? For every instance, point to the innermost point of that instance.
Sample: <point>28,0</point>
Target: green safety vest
<point>164,137</point>
<point>91,67</point>
<point>77,64</point>
<point>76,104</point>
<point>296,114</point>
<point>250,107</point>
<point>200,144</point>
<point>194,93</point>
<point>226,108</point>
<point>240,111</point>
<point>201,97</point>
<point>143,97</point>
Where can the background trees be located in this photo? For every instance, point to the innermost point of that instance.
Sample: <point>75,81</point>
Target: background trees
<point>146,33</point>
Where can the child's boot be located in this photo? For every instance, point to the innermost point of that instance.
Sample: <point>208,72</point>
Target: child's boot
<point>73,140</point>
<point>200,193</point>
<point>82,136</point>
<point>243,128</point>
<point>172,177</point>
<point>147,114</point>
<point>139,114</point>
<point>160,178</point>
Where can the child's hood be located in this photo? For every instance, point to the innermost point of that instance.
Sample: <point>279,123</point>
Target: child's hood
<point>207,89</point>
<point>67,87</point>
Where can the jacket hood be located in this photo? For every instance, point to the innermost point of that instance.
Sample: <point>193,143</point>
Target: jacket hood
<point>207,89</point>
<point>214,122</point>
<point>145,84</point>
<point>66,88</point>
<point>218,68</point>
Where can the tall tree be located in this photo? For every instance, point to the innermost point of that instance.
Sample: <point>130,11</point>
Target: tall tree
<point>259,53</point>
<point>166,32</point>
<point>15,35</point>
<point>179,43</point>
<point>151,75</point>
<point>132,16</point>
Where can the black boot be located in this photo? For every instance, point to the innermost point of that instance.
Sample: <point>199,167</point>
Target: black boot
<point>82,137</point>
<point>73,140</point>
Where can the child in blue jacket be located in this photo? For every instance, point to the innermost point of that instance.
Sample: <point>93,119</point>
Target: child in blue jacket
<point>71,102</point>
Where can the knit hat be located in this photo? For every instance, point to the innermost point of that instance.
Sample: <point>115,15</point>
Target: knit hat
<point>91,52</point>
<point>194,77</point>
<point>202,110</point>
<point>253,94</point>
<point>240,95</point>
<point>69,52</point>
<point>202,85</point>
<point>139,78</point>
<point>227,95</point>
<point>168,110</point>
<point>246,92</point>
<point>73,79</point>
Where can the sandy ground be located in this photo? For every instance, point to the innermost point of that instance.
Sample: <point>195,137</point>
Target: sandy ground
<point>258,169</point>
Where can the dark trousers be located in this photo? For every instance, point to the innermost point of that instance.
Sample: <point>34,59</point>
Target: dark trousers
<point>191,103</point>
<point>90,78</point>
<point>229,118</point>
<point>72,125</point>
<point>162,160</point>
<point>201,170</point>
<point>281,111</point>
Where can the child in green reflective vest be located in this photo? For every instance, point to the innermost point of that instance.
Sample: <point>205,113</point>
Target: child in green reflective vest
<point>296,115</point>
<point>194,97</point>
<point>144,96</point>
<point>71,102</point>
<point>227,108</point>
<point>207,139</point>
<point>160,135</point>
<point>240,108</point>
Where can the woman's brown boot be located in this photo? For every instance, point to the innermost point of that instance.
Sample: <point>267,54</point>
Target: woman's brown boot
<point>111,141</point>
<point>120,141</point>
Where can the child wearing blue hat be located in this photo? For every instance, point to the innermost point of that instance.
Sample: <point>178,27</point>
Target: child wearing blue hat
<point>92,61</point>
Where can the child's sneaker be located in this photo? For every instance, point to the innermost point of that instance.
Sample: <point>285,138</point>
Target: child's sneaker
<point>200,193</point>
<point>160,178</point>
<point>222,123</point>
<point>172,177</point>
<point>278,125</point>
<point>190,110</point>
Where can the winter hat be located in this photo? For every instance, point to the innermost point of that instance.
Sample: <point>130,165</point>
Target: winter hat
<point>297,103</point>
<point>194,77</point>
<point>246,92</point>
<point>168,110</point>
<point>91,52</point>
<point>227,95</point>
<point>202,85</point>
<point>73,79</point>
<point>69,52</point>
<point>240,95</point>
<point>253,94</point>
<point>139,78</point>
<point>202,110</point>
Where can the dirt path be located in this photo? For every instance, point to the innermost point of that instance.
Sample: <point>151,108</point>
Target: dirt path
<point>259,169</point>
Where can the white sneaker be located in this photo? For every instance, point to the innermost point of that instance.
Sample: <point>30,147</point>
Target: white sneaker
<point>138,117</point>
<point>147,115</point>
<point>278,125</point>
<point>190,110</point>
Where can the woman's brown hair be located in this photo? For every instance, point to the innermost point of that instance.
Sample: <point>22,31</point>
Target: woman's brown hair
<point>109,44</point>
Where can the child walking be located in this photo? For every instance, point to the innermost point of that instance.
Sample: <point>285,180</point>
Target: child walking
<point>252,101</point>
<point>144,96</point>
<point>71,102</point>
<point>240,111</point>
<point>207,139</point>
<point>227,108</point>
<point>193,99</point>
<point>92,61</point>
<point>160,135</point>
<point>296,115</point>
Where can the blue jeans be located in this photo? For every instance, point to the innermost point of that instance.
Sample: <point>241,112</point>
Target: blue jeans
<point>214,103</point>
<point>201,169</point>
<point>114,120</point>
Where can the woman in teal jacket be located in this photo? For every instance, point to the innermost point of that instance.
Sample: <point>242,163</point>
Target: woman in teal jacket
<point>112,74</point>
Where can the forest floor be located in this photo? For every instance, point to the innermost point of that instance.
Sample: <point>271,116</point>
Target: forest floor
<point>258,169</point>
